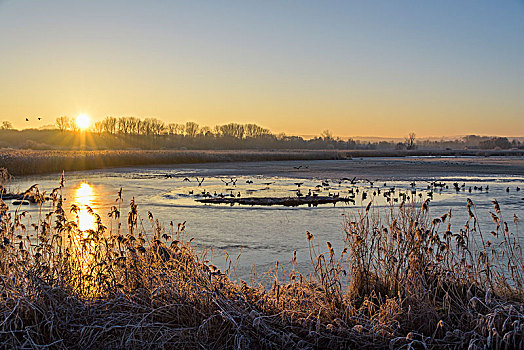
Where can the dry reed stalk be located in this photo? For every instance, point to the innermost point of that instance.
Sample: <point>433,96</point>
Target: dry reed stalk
<point>413,282</point>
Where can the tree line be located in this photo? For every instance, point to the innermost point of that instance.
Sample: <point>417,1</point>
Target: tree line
<point>152,133</point>
<point>156,127</point>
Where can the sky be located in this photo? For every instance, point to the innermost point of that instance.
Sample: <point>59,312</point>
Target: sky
<point>357,68</point>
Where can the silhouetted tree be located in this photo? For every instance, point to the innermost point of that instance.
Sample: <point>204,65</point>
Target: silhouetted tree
<point>496,142</point>
<point>98,127</point>
<point>63,123</point>
<point>110,125</point>
<point>326,135</point>
<point>232,130</point>
<point>253,130</point>
<point>124,126</point>
<point>6,125</point>
<point>205,131</point>
<point>410,141</point>
<point>191,129</point>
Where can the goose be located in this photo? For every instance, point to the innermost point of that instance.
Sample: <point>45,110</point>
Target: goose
<point>200,181</point>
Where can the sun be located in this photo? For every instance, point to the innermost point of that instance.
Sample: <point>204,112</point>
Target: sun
<point>83,121</point>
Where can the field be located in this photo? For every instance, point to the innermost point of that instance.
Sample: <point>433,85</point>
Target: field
<point>26,162</point>
<point>403,279</point>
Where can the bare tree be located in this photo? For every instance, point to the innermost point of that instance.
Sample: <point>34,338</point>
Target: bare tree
<point>124,125</point>
<point>326,135</point>
<point>205,131</point>
<point>192,129</point>
<point>232,130</point>
<point>6,125</point>
<point>180,129</point>
<point>110,125</point>
<point>134,124</point>
<point>98,127</point>
<point>253,130</point>
<point>64,123</point>
<point>410,141</point>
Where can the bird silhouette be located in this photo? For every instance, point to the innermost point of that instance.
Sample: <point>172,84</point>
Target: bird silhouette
<point>26,119</point>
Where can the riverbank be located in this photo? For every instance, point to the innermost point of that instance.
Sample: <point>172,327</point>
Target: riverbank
<point>29,162</point>
<point>396,284</point>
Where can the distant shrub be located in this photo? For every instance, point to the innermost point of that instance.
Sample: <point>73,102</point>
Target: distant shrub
<point>30,144</point>
<point>496,143</point>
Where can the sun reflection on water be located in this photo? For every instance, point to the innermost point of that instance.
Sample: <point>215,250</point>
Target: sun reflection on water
<point>84,246</point>
<point>84,196</point>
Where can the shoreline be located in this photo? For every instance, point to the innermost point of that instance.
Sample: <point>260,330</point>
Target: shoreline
<point>32,162</point>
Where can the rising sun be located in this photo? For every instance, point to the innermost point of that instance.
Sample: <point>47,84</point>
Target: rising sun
<point>83,121</point>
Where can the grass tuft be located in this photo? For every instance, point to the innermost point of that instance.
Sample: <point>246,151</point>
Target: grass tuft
<point>403,280</point>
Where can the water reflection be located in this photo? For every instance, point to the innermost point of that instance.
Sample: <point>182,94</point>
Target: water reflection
<point>84,245</point>
<point>84,196</point>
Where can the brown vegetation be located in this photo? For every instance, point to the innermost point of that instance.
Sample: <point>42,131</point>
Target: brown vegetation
<point>150,133</point>
<point>404,279</point>
<point>26,162</point>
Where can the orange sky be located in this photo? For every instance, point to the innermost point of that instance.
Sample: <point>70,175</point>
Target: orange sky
<point>356,69</point>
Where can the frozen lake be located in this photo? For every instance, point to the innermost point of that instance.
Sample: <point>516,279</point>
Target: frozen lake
<point>265,234</point>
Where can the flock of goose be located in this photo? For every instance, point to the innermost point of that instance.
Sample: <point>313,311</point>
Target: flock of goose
<point>351,189</point>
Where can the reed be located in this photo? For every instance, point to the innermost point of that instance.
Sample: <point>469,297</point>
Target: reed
<point>28,162</point>
<point>404,279</point>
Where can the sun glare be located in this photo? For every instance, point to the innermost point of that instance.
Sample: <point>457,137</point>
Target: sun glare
<point>83,121</point>
<point>83,196</point>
